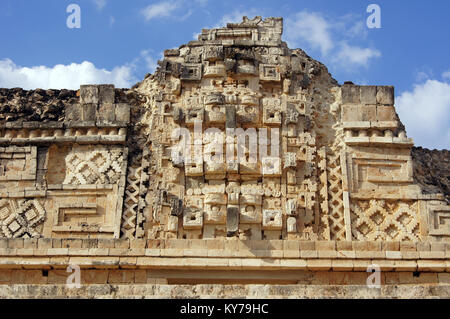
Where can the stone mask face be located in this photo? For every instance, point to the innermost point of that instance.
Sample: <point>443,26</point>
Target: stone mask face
<point>268,146</point>
<point>244,160</point>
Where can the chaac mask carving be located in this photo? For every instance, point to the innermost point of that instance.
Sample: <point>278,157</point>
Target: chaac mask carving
<point>340,148</point>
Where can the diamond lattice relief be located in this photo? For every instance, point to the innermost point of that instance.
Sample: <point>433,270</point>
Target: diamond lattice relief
<point>387,221</point>
<point>88,165</point>
<point>21,218</point>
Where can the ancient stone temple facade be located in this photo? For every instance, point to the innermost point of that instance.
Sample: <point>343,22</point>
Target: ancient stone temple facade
<point>239,162</point>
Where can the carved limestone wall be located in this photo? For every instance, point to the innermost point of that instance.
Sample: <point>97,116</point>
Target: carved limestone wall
<point>137,188</point>
<point>344,169</point>
<point>66,178</point>
<point>332,162</point>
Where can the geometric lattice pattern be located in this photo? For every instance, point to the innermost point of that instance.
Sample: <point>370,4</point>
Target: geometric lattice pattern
<point>380,220</point>
<point>324,229</point>
<point>21,218</point>
<point>88,165</point>
<point>131,203</point>
<point>335,199</point>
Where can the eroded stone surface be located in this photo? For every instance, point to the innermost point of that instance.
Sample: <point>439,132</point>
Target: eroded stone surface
<point>432,170</point>
<point>99,162</point>
<point>94,178</point>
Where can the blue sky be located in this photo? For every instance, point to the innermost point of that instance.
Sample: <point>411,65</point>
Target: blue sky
<point>120,41</point>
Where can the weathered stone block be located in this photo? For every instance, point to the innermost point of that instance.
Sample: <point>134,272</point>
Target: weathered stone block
<point>106,93</point>
<point>272,220</point>
<point>89,94</point>
<point>191,72</point>
<point>213,53</point>
<point>344,245</point>
<point>192,218</point>
<point>73,112</point>
<point>106,112</point>
<point>326,245</point>
<point>319,264</point>
<point>390,246</point>
<point>122,113</point>
<point>88,112</point>
<point>105,243</point>
<point>171,52</point>
<point>368,113</point>
<point>385,95</point>
<point>386,113</point>
<point>351,113</point>
<point>269,72</point>
<point>350,94</point>
<point>368,94</point>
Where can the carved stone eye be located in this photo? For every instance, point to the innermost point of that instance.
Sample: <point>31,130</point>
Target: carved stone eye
<point>249,209</point>
<point>215,209</point>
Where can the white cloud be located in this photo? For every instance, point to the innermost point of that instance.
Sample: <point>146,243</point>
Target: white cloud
<point>358,29</point>
<point>311,30</point>
<point>423,74</point>
<point>100,4</point>
<point>63,76</point>
<point>350,26</point>
<point>309,27</point>
<point>446,75</point>
<point>73,75</point>
<point>151,63</point>
<point>186,15</point>
<point>179,10</point>
<point>112,20</point>
<point>201,2</point>
<point>425,112</point>
<point>159,10</point>
<point>354,55</point>
<point>236,16</point>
